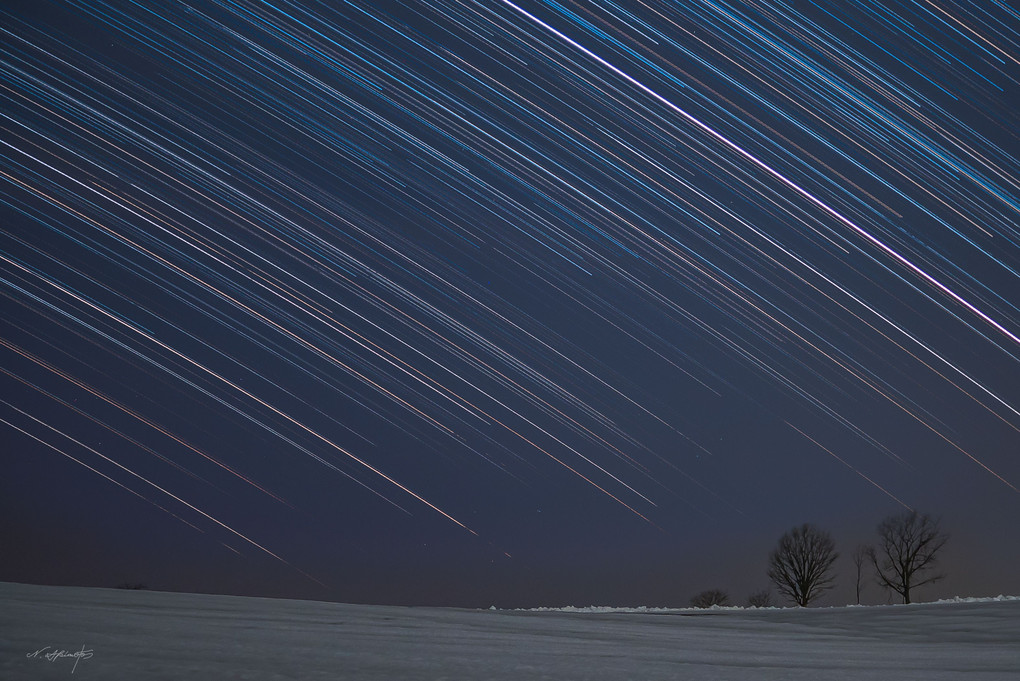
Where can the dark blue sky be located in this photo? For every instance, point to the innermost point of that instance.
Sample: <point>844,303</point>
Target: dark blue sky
<point>529,304</point>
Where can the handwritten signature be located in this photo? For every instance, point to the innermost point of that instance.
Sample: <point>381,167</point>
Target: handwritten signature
<point>54,654</point>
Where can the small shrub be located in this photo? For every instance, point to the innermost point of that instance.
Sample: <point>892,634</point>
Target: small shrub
<point>760,599</point>
<point>706,599</point>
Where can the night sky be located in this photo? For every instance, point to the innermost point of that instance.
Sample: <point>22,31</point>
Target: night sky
<point>472,303</point>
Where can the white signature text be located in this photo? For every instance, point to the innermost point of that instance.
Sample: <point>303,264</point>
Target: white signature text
<point>51,654</point>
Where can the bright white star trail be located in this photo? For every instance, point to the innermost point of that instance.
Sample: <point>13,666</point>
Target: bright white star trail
<point>465,302</point>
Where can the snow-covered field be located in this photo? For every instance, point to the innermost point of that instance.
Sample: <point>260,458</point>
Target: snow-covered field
<point>138,635</point>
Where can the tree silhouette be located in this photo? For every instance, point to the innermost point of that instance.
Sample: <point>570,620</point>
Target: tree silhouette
<point>706,599</point>
<point>801,565</point>
<point>860,555</point>
<point>760,599</point>
<point>907,550</point>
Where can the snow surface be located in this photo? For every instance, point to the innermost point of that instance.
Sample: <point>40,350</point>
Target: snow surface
<point>140,635</point>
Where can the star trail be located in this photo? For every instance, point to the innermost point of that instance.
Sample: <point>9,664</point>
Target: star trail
<point>516,302</point>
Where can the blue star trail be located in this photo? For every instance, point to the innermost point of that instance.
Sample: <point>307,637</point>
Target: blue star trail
<point>438,301</point>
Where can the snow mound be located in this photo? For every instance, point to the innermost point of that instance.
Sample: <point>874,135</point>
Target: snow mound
<point>984,599</point>
<point>605,609</point>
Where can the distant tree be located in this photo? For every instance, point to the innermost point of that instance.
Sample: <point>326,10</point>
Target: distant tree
<point>908,546</point>
<point>706,599</point>
<point>133,586</point>
<point>760,599</point>
<point>860,555</point>
<point>801,564</point>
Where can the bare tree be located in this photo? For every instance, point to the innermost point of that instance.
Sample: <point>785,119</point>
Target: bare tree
<point>860,554</point>
<point>801,565</point>
<point>760,599</point>
<point>706,599</point>
<point>908,546</point>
